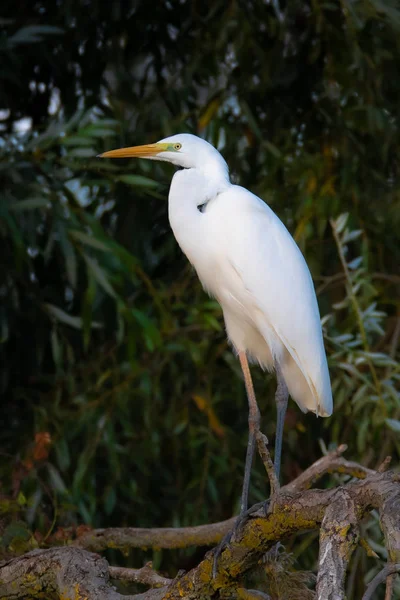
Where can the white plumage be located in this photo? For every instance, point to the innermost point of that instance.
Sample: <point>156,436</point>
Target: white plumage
<point>246,258</point>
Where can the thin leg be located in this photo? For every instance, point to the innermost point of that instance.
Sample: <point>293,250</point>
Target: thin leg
<point>254,431</point>
<point>281,399</point>
<point>254,426</point>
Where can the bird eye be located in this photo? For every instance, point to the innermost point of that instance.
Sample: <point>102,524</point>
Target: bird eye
<point>177,146</point>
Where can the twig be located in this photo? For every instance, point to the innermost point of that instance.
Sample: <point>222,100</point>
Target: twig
<point>358,314</point>
<point>262,445</point>
<point>378,579</point>
<point>145,575</point>
<point>331,463</point>
<point>385,465</point>
<point>389,587</point>
<point>364,544</point>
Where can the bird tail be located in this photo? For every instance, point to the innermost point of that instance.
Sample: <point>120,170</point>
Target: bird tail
<point>302,389</point>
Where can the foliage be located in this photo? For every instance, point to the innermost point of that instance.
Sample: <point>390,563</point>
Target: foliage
<point>109,345</point>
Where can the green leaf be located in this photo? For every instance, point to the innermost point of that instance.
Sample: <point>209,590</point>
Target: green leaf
<point>56,480</point>
<point>251,120</point>
<point>75,140</point>
<point>272,149</point>
<point>60,315</point>
<point>63,455</point>
<point>340,222</point>
<point>393,424</point>
<point>138,181</point>
<point>16,530</point>
<point>89,240</point>
<point>350,236</point>
<point>100,276</point>
<point>56,349</point>
<point>71,264</point>
<point>355,263</point>
<point>21,500</point>
<point>84,461</point>
<point>150,332</point>
<point>212,321</point>
<point>82,152</point>
<point>33,33</point>
<point>96,131</point>
<point>110,500</point>
<point>30,204</point>
<point>87,309</point>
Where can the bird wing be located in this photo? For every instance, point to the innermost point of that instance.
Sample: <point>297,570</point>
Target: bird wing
<point>277,286</point>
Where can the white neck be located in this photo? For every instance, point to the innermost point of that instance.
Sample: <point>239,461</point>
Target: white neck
<point>190,189</point>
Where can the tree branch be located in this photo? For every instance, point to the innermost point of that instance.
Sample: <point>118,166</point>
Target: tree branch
<point>57,573</point>
<point>72,572</point>
<point>380,578</point>
<point>124,538</point>
<point>339,536</point>
<point>262,445</point>
<point>211,534</point>
<point>331,463</point>
<point>145,575</point>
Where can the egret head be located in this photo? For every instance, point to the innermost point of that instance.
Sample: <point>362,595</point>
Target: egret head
<point>183,150</point>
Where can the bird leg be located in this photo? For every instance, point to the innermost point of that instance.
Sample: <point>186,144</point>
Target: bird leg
<point>255,435</point>
<point>254,428</point>
<point>281,399</point>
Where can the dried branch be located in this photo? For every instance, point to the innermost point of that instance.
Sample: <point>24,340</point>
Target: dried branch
<point>389,586</point>
<point>145,575</point>
<point>380,578</point>
<point>124,538</point>
<point>364,544</point>
<point>331,463</point>
<point>262,445</point>
<point>384,465</point>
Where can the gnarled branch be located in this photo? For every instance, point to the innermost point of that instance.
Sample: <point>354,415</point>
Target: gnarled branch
<point>339,536</point>
<point>292,512</point>
<point>124,538</point>
<point>57,573</point>
<point>387,571</point>
<point>337,512</point>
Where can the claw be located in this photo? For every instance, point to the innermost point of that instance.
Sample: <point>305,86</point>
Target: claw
<point>240,521</point>
<point>218,551</point>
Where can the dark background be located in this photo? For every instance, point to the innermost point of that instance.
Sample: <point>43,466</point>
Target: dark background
<point>121,401</point>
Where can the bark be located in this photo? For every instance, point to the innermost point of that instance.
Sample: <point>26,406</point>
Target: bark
<point>339,536</point>
<point>67,573</point>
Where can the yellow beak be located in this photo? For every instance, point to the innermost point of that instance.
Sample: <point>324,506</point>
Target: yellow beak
<point>146,151</point>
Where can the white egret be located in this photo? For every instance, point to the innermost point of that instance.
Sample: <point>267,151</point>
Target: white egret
<point>246,258</point>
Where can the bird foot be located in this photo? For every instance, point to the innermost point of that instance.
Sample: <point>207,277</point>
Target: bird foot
<point>226,540</point>
<point>240,521</point>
